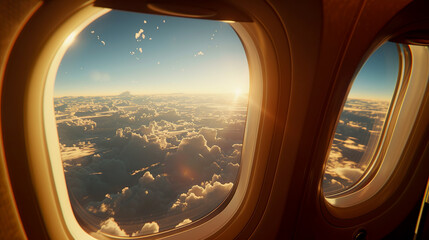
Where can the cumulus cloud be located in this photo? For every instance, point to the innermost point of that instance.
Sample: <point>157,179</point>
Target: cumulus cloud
<point>350,174</point>
<point>148,228</point>
<point>143,201</point>
<point>184,222</point>
<point>192,145</point>
<point>191,162</point>
<point>169,115</point>
<point>349,143</point>
<point>112,228</point>
<point>166,125</point>
<point>138,151</point>
<point>111,176</point>
<point>195,162</point>
<point>73,130</point>
<point>355,125</point>
<point>148,153</point>
<point>208,194</point>
<point>148,130</point>
<point>200,53</point>
<point>146,178</point>
<point>210,134</point>
<point>138,34</point>
<point>230,172</point>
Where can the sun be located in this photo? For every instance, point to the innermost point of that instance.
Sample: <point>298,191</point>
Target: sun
<point>237,92</point>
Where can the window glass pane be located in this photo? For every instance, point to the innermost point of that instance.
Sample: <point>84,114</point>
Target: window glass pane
<point>150,115</point>
<point>362,120</point>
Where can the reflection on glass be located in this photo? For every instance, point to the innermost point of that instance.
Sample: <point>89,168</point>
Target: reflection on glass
<point>362,120</point>
<point>150,115</point>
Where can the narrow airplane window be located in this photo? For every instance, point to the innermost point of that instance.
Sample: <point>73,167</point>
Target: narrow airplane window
<point>359,130</point>
<point>150,114</point>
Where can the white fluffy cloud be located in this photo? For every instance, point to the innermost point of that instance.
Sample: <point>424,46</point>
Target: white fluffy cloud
<point>149,130</point>
<point>146,178</point>
<point>349,143</point>
<point>148,156</point>
<point>199,53</point>
<point>71,131</point>
<point>209,194</point>
<point>148,228</point>
<point>210,134</point>
<point>192,145</point>
<point>138,34</point>
<point>184,222</point>
<point>112,228</point>
<point>111,176</point>
<point>170,115</point>
<point>139,151</point>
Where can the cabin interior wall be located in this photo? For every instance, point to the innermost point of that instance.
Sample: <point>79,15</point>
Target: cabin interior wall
<point>13,15</point>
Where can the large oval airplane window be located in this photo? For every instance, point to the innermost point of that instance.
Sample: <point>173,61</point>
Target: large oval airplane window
<point>150,113</point>
<point>359,131</point>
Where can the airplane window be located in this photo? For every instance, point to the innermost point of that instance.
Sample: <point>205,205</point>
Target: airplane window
<point>150,114</point>
<point>361,123</point>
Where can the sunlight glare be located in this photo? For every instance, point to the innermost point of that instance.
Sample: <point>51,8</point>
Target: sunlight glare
<point>70,39</point>
<point>237,93</point>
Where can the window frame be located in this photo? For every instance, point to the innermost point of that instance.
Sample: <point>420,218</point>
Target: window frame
<point>376,158</point>
<point>49,183</point>
<point>281,161</point>
<point>401,118</point>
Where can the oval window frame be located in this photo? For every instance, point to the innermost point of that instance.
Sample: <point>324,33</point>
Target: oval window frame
<point>362,197</point>
<point>49,184</point>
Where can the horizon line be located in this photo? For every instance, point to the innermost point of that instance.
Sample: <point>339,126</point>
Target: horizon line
<point>147,94</point>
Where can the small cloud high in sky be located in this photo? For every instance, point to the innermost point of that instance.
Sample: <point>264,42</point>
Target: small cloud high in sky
<point>139,33</point>
<point>200,53</point>
<point>153,54</point>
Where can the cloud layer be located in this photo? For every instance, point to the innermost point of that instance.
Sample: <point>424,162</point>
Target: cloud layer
<point>355,141</point>
<point>137,165</point>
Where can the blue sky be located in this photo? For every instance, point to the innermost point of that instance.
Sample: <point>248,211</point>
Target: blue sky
<point>170,55</point>
<point>179,55</point>
<point>377,78</point>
